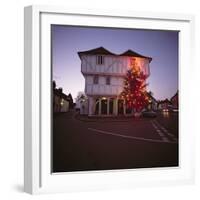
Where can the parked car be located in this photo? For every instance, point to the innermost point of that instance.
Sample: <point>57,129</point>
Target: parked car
<point>170,109</point>
<point>165,110</point>
<point>149,113</point>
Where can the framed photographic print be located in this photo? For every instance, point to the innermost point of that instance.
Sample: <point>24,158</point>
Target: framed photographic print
<point>106,99</point>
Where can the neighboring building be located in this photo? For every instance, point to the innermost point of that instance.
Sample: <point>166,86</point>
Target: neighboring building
<point>164,104</point>
<point>70,100</point>
<point>82,103</point>
<point>153,103</point>
<point>174,100</point>
<point>60,101</point>
<point>104,74</point>
<point>64,103</point>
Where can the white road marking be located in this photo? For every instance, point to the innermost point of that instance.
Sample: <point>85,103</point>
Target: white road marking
<point>165,130</point>
<point>129,137</point>
<point>160,133</point>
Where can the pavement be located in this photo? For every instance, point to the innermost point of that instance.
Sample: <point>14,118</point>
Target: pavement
<point>119,143</point>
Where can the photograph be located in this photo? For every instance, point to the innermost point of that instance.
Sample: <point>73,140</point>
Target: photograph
<point>114,98</point>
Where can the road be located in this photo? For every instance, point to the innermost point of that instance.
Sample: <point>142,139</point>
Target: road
<point>114,144</point>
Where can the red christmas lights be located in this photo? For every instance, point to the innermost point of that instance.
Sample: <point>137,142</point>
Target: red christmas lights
<point>134,92</point>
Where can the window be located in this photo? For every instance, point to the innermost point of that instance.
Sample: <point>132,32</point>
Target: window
<point>96,80</point>
<point>100,60</point>
<point>108,80</point>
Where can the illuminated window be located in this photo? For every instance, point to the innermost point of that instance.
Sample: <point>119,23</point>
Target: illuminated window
<point>96,79</point>
<point>100,60</point>
<point>108,80</point>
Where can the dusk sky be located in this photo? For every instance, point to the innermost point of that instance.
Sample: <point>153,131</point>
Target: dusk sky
<point>162,46</point>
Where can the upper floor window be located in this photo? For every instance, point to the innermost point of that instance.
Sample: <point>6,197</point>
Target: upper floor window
<point>96,79</point>
<point>100,60</point>
<point>108,80</point>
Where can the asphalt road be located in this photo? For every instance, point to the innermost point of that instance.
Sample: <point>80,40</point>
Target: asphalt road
<point>114,144</point>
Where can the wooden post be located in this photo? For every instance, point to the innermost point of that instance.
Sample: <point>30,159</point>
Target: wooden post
<point>108,106</point>
<point>116,106</point>
<point>124,107</point>
<point>99,106</point>
<point>91,103</point>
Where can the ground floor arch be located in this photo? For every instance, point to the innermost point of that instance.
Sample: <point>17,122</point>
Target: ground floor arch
<point>107,106</point>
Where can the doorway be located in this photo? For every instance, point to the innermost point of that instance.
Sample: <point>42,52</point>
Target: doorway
<point>120,107</point>
<point>104,106</point>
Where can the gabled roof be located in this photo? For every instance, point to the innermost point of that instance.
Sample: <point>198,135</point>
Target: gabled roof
<point>174,95</point>
<point>165,101</point>
<point>103,51</point>
<point>151,96</point>
<point>99,50</point>
<point>134,54</point>
<point>59,93</point>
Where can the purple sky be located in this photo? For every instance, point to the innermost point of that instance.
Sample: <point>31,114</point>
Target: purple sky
<point>162,46</point>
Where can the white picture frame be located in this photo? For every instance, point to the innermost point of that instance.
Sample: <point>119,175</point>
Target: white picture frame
<point>37,138</point>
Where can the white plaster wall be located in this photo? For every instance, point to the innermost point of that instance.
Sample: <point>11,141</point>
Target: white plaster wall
<point>115,87</point>
<point>112,64</point>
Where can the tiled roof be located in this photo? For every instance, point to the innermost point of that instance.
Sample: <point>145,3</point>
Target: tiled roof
<point>103,51</point>
<point>60,94</point>
<point>134,54</point>
<point>174,95</point>
<point>99,50</point>
<point>165,101</point>
<point>151,96</point>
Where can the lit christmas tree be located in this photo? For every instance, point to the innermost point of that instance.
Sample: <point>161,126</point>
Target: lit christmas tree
<point>134,92</point>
